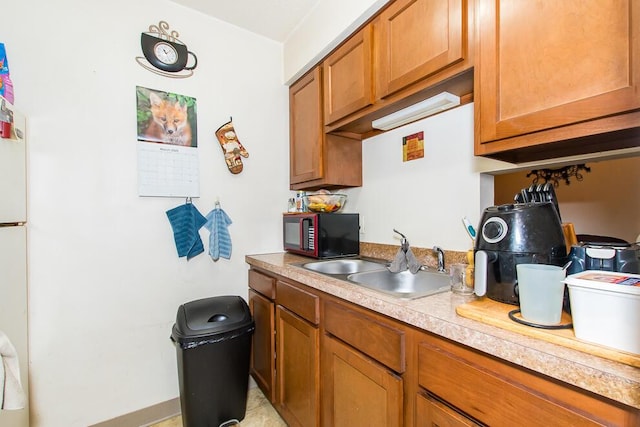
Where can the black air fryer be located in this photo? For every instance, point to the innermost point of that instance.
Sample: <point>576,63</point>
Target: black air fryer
<point>521,233</point>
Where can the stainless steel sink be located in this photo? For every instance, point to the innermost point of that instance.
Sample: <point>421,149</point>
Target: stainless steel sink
<point>343,266</point>
<point>404,284</point>
<point>374,275</point>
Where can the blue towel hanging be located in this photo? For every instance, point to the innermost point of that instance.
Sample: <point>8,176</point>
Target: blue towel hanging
<point>186,220</point>
<point>219,239</point>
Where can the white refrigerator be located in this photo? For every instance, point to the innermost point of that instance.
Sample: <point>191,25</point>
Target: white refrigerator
<point>13,254</point>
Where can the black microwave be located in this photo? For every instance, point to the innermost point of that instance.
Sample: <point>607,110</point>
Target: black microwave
<point>322,235</point>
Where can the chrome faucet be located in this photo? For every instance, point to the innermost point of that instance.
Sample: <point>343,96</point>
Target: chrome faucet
<point>404,243</point>
<point>440,253</point>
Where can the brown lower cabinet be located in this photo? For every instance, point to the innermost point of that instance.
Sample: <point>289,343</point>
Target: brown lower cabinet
<point>262,367</point>
<point>358,391</point>
<point>431,412</point>
<point>338,364</point>
<point>362,362</point>
<point>297,358</point>
<point>497,393</point>
<point>297,369</point>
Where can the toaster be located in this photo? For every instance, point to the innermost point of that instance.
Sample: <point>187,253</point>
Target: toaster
<point>624,258</point>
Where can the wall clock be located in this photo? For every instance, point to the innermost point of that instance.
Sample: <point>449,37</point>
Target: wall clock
<point>164,53</point>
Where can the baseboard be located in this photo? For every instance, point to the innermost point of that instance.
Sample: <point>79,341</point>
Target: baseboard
<point>151,415</point>
<point>144,417</point>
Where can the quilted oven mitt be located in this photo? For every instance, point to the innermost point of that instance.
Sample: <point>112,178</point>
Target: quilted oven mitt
<point>231,147</point>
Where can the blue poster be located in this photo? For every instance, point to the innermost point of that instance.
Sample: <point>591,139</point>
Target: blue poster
<point>6,87</point>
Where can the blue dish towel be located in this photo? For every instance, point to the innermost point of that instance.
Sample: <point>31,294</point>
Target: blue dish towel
<point>185,221</point>
<point>219,239</point>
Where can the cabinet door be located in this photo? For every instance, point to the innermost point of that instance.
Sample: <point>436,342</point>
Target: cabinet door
<point>347,74</point>
<point>263,345</point>
<point>416,39</point>
<point>306,132</point>
<point>297,372</point>
<point>357,391</point>
<point>545,65</point>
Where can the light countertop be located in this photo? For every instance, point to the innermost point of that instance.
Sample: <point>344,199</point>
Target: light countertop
<point>437,314</point>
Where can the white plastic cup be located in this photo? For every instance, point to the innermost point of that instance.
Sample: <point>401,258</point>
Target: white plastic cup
<point>541,292</point>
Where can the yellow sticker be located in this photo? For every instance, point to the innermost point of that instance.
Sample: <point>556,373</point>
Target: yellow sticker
<point>413,147</point>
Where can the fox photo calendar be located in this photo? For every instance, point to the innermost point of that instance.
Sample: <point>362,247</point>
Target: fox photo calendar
<point>168,163</point>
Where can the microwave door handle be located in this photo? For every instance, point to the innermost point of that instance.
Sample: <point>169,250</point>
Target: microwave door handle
<point>304,233</point>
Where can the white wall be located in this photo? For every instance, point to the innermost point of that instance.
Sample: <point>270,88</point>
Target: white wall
<point>425,199</point>
<point>105,280</point>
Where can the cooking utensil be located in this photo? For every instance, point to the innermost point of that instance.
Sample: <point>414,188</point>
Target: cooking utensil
<point>538,193</point>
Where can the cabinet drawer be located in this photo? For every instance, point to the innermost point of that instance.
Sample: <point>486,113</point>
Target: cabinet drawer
<point>430,412</point>
<point>484,387</point>
<point>367,333</point>
<point>263,284</point>
<point>299,301</point>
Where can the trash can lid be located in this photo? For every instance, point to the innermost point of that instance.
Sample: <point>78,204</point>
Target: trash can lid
<point>211,316</point>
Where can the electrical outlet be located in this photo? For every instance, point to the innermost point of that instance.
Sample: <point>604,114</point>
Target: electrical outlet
<point>361,224</point>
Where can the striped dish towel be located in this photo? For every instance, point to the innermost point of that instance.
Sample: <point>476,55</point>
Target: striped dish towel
<point>186,220</point>
<point>219,239</point>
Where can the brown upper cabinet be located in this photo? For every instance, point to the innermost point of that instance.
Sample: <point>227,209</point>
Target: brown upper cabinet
<point>348,77</point>
<point>318,160</point>
<point>410,51</point>
<point>415,39</point>
<point>556,78</point>
<point>306,131</point>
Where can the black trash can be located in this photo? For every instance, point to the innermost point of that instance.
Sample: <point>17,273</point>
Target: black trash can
<point>213,346</point>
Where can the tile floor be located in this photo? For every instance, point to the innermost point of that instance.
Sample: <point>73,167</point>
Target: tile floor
<point>260,413</point>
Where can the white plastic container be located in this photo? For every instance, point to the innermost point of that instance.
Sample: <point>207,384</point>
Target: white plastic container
<point>605,307</point>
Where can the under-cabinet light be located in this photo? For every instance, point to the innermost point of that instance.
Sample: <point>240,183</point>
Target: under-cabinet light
<point>422,109</point>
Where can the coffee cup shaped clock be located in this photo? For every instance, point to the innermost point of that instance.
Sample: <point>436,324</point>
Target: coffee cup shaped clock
<point>166,55</point>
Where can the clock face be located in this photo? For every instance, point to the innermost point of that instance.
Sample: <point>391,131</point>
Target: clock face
<point>165,53</point>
